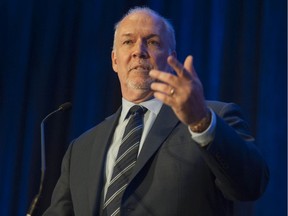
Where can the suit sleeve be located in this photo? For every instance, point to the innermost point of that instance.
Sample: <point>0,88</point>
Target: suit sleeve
<point>240,170</point>
<point>61,204</point>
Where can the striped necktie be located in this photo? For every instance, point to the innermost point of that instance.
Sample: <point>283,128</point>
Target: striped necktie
<point>126,159</point>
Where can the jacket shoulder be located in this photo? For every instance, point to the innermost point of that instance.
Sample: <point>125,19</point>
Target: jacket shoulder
<point>220,107</point>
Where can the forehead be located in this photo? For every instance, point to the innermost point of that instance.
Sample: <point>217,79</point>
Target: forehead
<point>141,23</point>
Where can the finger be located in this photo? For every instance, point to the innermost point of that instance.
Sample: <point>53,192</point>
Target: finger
<point>167,78</point>
<point>162,88</point>
<point>185,70</point>
<point>164,98</point>
<point>176,65</point>
<point>188,65</point>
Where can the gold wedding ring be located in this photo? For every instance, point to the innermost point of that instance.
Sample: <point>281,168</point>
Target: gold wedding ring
<point>172,91</point>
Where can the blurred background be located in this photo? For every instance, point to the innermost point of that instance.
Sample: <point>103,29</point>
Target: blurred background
<point>59,50</point>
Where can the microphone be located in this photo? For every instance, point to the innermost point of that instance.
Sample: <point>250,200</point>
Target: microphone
<point>64,107</point>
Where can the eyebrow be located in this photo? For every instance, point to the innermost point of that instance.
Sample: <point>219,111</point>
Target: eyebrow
<point>126,34</point>
<point>146,37</point>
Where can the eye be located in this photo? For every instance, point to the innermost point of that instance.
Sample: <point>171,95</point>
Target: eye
<point>154,43</point>
<point>127,42</point>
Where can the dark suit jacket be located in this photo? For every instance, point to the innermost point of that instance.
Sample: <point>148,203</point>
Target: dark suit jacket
<point>173,175</point>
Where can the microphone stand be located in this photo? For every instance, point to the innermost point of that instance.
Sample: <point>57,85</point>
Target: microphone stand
<point>34,202</point>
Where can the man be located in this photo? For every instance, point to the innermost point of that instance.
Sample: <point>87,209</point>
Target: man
<point>195,157</point>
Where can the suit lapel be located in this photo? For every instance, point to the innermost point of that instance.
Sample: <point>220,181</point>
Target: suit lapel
<point>98,158</point>
<point>165,122</point>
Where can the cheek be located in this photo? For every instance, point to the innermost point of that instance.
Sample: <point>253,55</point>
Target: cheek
<point>161,62</point>
<point>120,67</point>
<point>122,61</point>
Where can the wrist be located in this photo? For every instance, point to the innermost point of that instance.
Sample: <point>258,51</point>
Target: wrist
<point>202,124</point>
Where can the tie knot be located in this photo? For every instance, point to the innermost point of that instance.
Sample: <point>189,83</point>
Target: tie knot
<point>137,109</point>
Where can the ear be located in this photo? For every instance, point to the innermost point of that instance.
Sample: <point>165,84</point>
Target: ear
<point>114,61</point>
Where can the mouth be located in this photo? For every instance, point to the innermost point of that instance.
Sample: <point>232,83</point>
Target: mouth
<point>145,68</point>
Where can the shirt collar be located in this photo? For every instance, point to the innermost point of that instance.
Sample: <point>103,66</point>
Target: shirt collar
<point>153,105</point>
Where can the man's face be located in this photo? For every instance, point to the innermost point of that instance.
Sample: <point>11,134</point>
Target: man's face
<point>141,44</point>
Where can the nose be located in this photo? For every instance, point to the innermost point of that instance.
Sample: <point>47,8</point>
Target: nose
<point>140,50</point>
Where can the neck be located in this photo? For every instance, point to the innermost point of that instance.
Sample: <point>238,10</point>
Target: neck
<point>138,96</point>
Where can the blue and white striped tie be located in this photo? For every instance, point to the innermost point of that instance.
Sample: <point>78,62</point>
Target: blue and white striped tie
<point>126,159</point>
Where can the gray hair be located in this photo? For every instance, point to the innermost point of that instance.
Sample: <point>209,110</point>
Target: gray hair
<point>168,26</point>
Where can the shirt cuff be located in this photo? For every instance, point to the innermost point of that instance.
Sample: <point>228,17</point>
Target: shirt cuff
<point>205,137</point>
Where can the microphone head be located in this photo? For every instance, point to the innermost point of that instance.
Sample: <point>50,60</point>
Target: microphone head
<point>65,106</point>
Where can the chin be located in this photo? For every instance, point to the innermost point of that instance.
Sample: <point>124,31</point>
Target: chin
<point>140,85</point>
